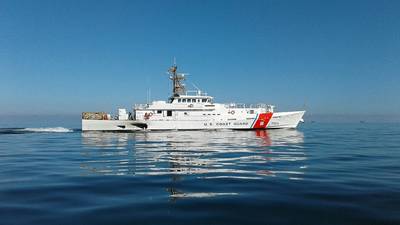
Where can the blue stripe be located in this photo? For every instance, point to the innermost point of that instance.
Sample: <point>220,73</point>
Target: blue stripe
<point>254,121</point>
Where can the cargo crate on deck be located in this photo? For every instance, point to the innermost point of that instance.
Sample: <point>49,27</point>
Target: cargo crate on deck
<point>94,116</point>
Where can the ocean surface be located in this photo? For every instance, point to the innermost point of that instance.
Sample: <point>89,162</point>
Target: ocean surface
<point>321,173</point>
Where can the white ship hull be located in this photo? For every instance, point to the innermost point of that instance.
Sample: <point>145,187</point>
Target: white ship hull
<point>276,121</point>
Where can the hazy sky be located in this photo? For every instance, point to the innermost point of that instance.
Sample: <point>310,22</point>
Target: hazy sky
<point>331,57</point>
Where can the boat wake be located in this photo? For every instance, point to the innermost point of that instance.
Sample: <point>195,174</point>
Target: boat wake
<point>49,129</point>
<point>35,130</point>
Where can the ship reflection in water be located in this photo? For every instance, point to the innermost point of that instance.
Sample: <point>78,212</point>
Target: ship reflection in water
<point>196,154</point>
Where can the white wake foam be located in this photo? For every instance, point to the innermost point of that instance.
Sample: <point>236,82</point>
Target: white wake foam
<point>49,129</point>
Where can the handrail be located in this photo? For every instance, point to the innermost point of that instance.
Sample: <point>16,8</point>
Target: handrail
<point>250,106</point>
<point>141,106</point>
<point>196,93</point>
<point>269,108</point>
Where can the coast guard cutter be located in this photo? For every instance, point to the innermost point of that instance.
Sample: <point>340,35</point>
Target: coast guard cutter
<point>187,110</point>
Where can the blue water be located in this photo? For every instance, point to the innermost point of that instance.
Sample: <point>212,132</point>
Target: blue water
<point>321,173</point>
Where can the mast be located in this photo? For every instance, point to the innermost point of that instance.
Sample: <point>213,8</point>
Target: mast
<point>178,88</point>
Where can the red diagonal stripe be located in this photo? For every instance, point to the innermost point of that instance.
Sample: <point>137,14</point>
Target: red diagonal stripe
<point>263,120</point>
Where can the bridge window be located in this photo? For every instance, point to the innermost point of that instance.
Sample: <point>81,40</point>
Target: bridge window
<point>193,100</point>
<point>204,100</point>
<point>179,100</point>
<point>184,100</point>
<point>159,111</point>
<point>169,113</point>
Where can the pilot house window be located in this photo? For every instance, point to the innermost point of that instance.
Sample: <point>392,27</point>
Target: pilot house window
<point>169,113</point>
<point>159,111</point>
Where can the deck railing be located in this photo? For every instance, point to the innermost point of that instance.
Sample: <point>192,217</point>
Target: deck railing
<point>242,105</point>
<point>269,108</point>
<point>141,106</point>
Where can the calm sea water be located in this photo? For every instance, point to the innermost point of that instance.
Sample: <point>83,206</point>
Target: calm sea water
<point>321,173</point>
